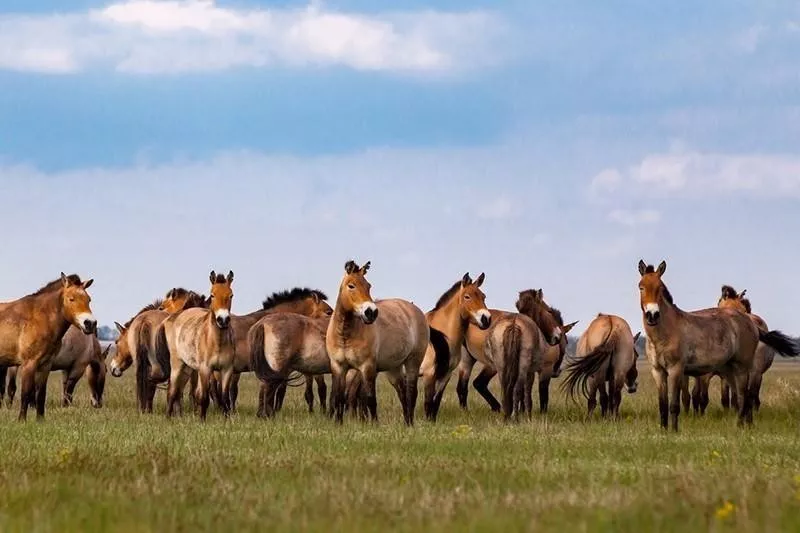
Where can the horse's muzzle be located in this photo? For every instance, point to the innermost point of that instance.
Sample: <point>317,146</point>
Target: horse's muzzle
<point>485,322</point>
<point>116,372</point>
<point>652,317</point>
<point>370,315</point>
<point>223,322</point>
<point>89,326</point>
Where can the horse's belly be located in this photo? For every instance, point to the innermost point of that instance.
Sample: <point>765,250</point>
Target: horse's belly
<point>222,360</point>
<point>313,364</point>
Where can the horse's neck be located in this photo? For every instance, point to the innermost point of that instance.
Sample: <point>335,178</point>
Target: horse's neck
<point>50,306</point>
<point>345,324</point>
<point>668,327</point>
<point>218,337</point>
<point>448,320</point>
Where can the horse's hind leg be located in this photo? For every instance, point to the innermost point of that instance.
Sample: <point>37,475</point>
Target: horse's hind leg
<point>69,382</point>
<point>481,385</point>
<point>280,394</point>
<point>12,385</point>
<point>3,376</point>
<point>755,389</point>
<point>41,390</point>
<point>660,377</point>
<point>202,392</point>
<point>725,393</point>
<point>177,381</point>
<point>741,382</point>
<point>233,394</point>
<point>604,406</point>
<point>697,395</point>
<point>591,401</point>
<point>686,397</point>
<point>465,367</point>
<point>544,392</point>
<point>309,393</point>
<point>27,378</point>
<point>675,381</point>
<point>322,391</point>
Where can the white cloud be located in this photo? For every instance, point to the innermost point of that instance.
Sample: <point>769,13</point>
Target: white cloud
<point>699,173</point>
<point>148,37</point>
<point>635,218</point>
<point>607,180</point>
<point>499,208</point>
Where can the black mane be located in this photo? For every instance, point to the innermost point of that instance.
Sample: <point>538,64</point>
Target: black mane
<point>293,295</point>
<point>149,307</point>
<point>56,284</point>
<point>444,298</point>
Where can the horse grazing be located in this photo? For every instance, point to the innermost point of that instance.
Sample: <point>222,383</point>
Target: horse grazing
<point>540,331</point>
<point>136,343</point>
<point>79,355</point>
<point>302,301</point>
<point>463,304</point>
<point>606,354</point>
<point>718,340</point>
<point>200,339</point>
<point>31,330</point>
<point>764,358</point>
<point>374,336</point>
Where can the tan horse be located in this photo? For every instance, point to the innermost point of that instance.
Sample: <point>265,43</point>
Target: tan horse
<point>715,340</point>
<point>202,340</point>
<point>308,302</point>
<point>31,330</point>
<point>532,306</point>
<point>763,359</point>
<point>553,358</point>
<point>80,355</point>
<point>463,304</point>
<point>606,353</point>
<point>385,336</point>
<point>136,342</point>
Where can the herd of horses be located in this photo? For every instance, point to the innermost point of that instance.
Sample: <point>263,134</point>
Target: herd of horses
<point>189,338</point>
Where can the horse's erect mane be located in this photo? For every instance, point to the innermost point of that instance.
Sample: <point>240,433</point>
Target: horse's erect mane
<point>448,294</point>
<point>56,284</point>
<point>290,296</point>
<point>557,315</point>
<point>220,279</point>
<point>729,292</point>
<point>149,307</point>
<point>747,306</point>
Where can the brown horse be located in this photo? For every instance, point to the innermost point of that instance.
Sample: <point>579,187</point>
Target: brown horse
<point>553,358</point>
<point>532,306</point>
<point>80,355</point>
<point>31,329</point>
<point>763,359</point>
<point>307,302</point>
<point>136,342</point>
<point>463,304</point>
<point>606,354</point>
<point>722,341</point>
<point>202,340</point>
<point>374,336</point>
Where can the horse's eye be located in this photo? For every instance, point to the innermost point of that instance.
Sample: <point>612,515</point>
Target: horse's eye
<point>351,287</point>
<point>467,297</point>
<point>71,299</point>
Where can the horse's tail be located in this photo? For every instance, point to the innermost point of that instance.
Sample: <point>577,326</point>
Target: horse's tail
<point>258,359</point>
<point>442,351</point>
<point>162,351</point>
<point>579,370</point>
<point>780,342</point>
<point>512,344</point>
<point>142,361</point>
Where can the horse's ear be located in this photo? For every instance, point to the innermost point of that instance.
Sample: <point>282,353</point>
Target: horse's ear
<point>169,294</point>
<point>366,268</point>
<point>741,294</point>
<point>230,277</point>
<point>465,280</point>
<point>540,294</point>
<point>569,327</point>
<point>636,337</point>
<point>350,267</point>
<point>64,280</point>
<point>480,280</point>
<point>662,267</point>
<point>87,284</point>
<point>120,327</point>
<point>104,355</point>
<point>212,277</point>
<point>316,298</point>
<point>642,267</point>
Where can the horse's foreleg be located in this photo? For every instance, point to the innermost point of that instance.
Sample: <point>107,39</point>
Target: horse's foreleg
<point>233,393</point>
<point>465,367</point>
<point>322,391</point>
<point>755,391</point>
<point>601,387</point>
<point>686,397</point>
<point>69,382</point>
<point>309,392</point>
<point>369,376</point>
<point>27,377</point>
<point>339,392</point>
<point>481,385</point>
<point>725,393</point>
<point>591,402</point>
<point>544,392</point>
<point>12,385</point>
<point>41,390</point>
<point>177,382</point>
<point>280,394</point>
<point>675,383</point>
<point>3,377</point>
<point>660,377</point>
<point>411,371</point>
<point>225,391</point>
<point>429,391</point>
<point>441,386</point>
<point>202,394</point>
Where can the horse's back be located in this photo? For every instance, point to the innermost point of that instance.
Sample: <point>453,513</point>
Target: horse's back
<point>715,336</point>
<point>475,337</point>
<point>402,331</point>
<point>76,347</point>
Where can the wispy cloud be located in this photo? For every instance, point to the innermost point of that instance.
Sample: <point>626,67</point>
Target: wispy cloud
<point>634,218</point>
<point>174,36</point>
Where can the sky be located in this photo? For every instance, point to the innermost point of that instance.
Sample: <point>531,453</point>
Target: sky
<point>549,144</point>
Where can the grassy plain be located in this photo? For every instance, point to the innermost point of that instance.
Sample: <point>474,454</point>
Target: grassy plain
<point>115,470</point>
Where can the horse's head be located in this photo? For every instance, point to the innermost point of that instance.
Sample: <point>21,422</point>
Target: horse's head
<point>472,302</point>
<point>221,298</point>
<point>123,358</point>
<point>531,303</point>
<point>730,299</point>
<point>653,294</point>
<point>632,377</point>
<point>178,299</point>
<point>75,302</point>
<point>317,306</point>
<point>354,293</point>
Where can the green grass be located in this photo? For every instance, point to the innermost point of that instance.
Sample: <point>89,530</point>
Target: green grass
<point>115,470</point>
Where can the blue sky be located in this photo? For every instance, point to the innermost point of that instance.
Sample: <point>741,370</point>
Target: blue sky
<point>550,144</point>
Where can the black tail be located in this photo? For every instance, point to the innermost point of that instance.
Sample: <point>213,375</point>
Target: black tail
<point>258,360</point>
<point>142,361</point>
<point>512,343</point>
<point>781,343</point>
<point>162,351</point>
<point>442,350</point>
<point>581,369</point>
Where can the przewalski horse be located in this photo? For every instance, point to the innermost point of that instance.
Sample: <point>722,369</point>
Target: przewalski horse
<point>388,336</point>
<point>718,340</point>
<point>463,304</point>
<point>302,301</point>
<point>764,358</point>
<point>31,330</point>
<point>202,340</point>
<point>136,343</point>
<point>606,354</point>
<point>80,355</point>
<point>547,333</point>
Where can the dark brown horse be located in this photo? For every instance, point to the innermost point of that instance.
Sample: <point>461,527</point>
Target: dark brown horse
<point>31,329</point>
<point>679,343</point>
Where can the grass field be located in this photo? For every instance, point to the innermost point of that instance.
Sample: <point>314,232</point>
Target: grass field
<point>115,470</point>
